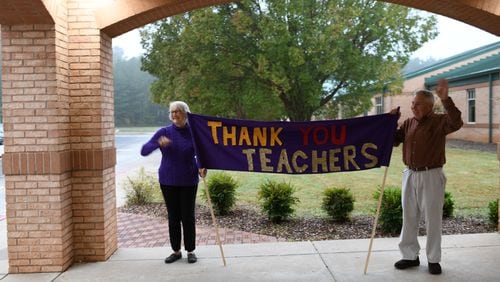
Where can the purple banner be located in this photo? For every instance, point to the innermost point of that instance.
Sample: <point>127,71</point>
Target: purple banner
<point>293,147</point>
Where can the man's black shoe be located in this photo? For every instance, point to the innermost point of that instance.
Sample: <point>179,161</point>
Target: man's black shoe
<point>405,263</point>
<point>434,268</point>
<point>192,258</point>
<point>173,257</point>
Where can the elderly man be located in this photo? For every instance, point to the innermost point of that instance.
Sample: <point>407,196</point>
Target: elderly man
<point>424,137</point>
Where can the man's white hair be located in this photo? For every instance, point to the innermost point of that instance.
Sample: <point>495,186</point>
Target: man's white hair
<point>426,93</point>
<point>179,105</point>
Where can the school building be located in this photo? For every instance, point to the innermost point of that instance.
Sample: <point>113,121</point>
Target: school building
<point>474,81</point>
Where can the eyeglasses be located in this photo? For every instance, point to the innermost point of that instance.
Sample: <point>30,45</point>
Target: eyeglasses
<point>175,112</point>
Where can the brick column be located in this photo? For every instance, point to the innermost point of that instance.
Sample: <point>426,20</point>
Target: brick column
<point>92,135</point>
<point>58,109</point>
<point>36,162</point>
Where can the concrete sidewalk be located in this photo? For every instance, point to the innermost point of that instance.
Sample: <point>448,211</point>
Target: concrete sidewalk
<point>474,257</point>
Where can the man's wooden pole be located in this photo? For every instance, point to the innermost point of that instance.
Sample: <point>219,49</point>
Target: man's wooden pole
<point>376,219</point>
<point>214,221</point>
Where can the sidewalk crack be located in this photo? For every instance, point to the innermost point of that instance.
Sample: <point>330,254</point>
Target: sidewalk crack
<point>324,262</point>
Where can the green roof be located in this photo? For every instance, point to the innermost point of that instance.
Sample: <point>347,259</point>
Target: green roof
<point>453,60</point>
<point>474,72</point>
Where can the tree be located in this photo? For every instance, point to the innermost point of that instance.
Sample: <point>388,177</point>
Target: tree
<point>133,106</point>
<point>416,64</point>
<point>283,59</point>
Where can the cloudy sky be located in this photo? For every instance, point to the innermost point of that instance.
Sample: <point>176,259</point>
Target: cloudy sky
<point>454,37</point>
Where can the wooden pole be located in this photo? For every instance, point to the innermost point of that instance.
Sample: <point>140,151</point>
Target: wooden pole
<point>376,219</point>
<point>214,221</point>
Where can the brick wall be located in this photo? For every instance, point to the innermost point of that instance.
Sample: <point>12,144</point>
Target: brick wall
<point>477,131</point>
<point>36,161</point>
<point>92,135</point>
<point>58,109</point>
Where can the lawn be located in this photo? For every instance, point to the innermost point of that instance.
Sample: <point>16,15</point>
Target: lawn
<point>137,130</point>
<point>473,179</point>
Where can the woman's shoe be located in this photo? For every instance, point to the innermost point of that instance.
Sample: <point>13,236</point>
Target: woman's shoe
<point>192,258</point>
<point>173,257</point>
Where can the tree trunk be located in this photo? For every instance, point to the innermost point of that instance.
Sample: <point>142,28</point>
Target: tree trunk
<point>298,113</point>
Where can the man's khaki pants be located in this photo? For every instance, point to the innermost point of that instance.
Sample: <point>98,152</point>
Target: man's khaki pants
<point>422,194</point>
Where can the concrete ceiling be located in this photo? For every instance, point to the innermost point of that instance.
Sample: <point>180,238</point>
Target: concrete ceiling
<point>120,16</point>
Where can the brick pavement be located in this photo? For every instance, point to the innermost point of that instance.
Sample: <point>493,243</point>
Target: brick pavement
<point>141,231</point>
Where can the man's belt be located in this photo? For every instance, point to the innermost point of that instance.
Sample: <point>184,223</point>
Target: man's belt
<point>424,167</point>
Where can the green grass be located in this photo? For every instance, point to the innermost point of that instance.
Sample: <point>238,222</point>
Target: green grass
<point>472,179</point>
<point>130,130</point>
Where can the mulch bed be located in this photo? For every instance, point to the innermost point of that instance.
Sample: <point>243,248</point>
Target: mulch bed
<point>247,218</point>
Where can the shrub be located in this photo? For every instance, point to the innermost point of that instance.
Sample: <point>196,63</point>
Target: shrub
<point>221,187</point>
<point>277,200</point>
<point>391,211</point>
<point>338,203</point>
<point>448,205</point>
<point>493,212</point>
<point>141,189</point>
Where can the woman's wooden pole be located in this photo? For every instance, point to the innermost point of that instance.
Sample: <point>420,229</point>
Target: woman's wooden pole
<point>214,221</point>
<point>376,219</point>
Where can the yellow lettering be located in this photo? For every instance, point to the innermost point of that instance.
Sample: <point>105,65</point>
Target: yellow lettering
<point>244,137</point>
<point>296,155</point>
<point>283,161</point>
<point>264,160</point>
<point>274,136</point>
<point>229,135</point>
<point>249,153</point>
<point>349,155</point>
<point>260,136</point>
<point>334,159</point>
<point>214,125</point>
<point>317,161</point>
<point>374,159</point>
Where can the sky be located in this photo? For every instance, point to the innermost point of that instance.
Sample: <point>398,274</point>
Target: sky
<point>454,37</point>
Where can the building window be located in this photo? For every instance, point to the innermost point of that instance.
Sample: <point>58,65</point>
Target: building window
<point>471,105</point>
<point>379,106</point>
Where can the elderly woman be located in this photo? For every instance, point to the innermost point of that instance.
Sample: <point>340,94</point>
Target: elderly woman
<point>178,176</point>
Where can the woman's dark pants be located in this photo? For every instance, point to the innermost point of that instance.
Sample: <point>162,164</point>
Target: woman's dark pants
<point>180,201</point>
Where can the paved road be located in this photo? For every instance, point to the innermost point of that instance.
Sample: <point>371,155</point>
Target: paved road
<point>129,161</point>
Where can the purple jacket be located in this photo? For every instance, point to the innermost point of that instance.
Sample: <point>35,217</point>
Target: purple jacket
<point>178,163</point>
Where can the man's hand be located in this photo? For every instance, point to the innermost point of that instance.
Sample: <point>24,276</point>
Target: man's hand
<point>442,89</point>
<point>164,141</point>
<point>395,111</point>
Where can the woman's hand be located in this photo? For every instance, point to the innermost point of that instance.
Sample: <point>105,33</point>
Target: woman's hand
<point>202,172</point>
<point>164,141</point>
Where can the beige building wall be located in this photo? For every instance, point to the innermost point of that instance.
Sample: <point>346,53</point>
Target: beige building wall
<point>415,83</point>
<point>477,131</point>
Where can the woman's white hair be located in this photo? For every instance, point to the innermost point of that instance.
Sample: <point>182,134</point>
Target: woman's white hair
<point>179,105</point>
